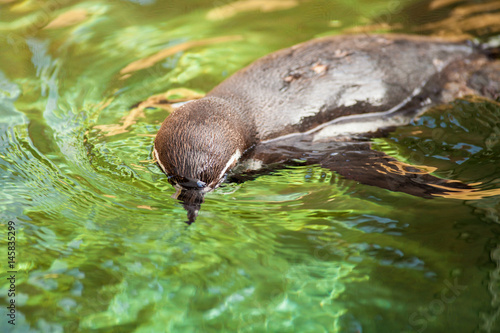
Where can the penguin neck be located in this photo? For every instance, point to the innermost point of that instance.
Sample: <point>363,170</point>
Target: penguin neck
<point>242,122</point>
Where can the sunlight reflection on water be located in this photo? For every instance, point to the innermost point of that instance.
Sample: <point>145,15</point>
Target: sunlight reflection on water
<point>101,244</point>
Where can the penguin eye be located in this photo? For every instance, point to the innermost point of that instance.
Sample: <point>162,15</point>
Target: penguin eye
<point>200,184</point>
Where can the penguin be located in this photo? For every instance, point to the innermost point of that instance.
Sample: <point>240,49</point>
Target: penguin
<point>319,96</point>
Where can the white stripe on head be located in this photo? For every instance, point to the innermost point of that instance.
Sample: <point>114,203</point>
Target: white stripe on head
<point>157,157</point>
<point>236,156</point>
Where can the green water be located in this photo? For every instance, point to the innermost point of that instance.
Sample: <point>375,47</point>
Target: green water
<point>102,247</point>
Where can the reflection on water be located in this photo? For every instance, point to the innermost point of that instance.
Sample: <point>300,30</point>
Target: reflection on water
<point>101,246</point>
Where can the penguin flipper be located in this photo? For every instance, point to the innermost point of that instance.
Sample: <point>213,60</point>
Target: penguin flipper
<point>356,160</point>
<point>375,168</point>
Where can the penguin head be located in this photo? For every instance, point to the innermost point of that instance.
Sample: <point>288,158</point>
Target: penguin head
<point>199,143</point>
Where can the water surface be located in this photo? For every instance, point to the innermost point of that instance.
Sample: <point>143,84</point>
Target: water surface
<point>101,245</point>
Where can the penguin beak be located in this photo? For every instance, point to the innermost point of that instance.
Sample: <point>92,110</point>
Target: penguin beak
<point>191,192</point>
<point>191,200</point>
<point>187,183</point>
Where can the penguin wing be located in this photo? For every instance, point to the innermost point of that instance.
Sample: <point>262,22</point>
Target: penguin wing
<point>371,167</point>
<point>356,161</point>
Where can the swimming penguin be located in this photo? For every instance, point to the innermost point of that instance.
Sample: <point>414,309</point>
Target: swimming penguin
<point>314,96</point>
